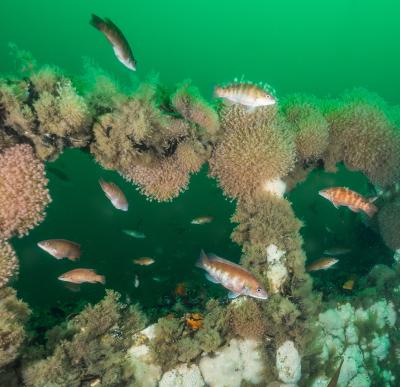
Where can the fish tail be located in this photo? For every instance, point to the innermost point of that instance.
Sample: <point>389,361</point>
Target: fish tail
<point>97,22</point>
<point>202,259</point>
<point>101,279</point>
<point>371,210</point>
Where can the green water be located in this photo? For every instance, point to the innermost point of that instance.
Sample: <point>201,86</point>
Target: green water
<point>81,212</point>
<point>315,47</point>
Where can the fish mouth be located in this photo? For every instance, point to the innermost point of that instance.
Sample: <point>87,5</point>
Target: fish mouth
<point>61,278</point>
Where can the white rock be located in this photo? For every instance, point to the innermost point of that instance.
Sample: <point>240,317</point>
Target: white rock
<point>277,272</point>
<point>239,361</point>
<point>274,255</point>
<point>288,363</point>
<point>183,376</point>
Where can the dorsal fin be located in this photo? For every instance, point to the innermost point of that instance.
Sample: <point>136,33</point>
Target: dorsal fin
<point>216,258</point>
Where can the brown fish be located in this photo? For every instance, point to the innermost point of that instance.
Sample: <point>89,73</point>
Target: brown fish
<point>118,41</point>
<point>61,248</point>
<point>322,264</point>
<point>245,93</point>
<point>340,196</point>
<point>231,276</point>
<point>80,276</point>
<point>335,378</point>
<point>145,261</point>
<point>202,220</point>
<point>114,194</point>
<point>349,284</point>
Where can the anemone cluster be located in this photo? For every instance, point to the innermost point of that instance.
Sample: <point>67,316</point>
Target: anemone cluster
<point>156,139</point>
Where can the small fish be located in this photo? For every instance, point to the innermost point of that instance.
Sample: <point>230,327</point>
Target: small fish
<point>145,261</point>
<point>159,278</point>
<point>322,264</point>
<point>335,378</point>
<point>118,41</point>
<point>340,196</point>
<point>114,194</point>
<point>61,248</point>
<point>245,93</point>
<point>202,220</point>
<point>80,276</point>
<point>337,251</point>
<point>134,234</point>
<point>349,284</point>
<point>58,172</point>
<point>231,276</point>
<point>136,282</point>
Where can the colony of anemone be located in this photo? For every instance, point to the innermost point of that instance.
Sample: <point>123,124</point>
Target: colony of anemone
<point>156,138</point>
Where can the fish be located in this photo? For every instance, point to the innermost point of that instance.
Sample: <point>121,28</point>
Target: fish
<point>202,220</point>
<point>145,261</point>
<point>134,234</point>
<point>321,264</point>
<point>120,45</point>
<point>180,289</point>
<point>337,251</point>
<point>341,196</point>
<point>114,194</point>
<point>335,378</point>
<point>80,276</point>
<point>349,284</point>
<point>61,248</point>
<point>245,93</point>
<point>231,276</point>
<point>136,282</point>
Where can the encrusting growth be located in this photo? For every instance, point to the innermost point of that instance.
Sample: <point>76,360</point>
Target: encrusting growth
<point>23,192</point>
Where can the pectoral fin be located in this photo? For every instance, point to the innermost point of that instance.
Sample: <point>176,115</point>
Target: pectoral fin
<point>232,295</point>
<point>354,209</point>
<point>212,279</point>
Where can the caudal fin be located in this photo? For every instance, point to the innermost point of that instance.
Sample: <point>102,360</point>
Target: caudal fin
<point>97,22</point>
<point>202,259</point>
<point>101,279</point>
<point>371,210</point>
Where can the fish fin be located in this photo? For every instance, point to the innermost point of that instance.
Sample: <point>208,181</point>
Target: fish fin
<point>212,279</point>
<point>372,199</point>
<point>72,287</point>
<point>213,257</point>
<point>232,295</point>
<point>371,210</point>
<point>97,22</point>
<point>336,205</point>
<point>102,279</point>
<point>250,109</point>
<point>202,259</point>
<point>354,209</point>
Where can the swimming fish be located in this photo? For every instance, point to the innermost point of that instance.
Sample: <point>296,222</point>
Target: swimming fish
<point>349,284</point>
<point>114,193</point>
<point>118,41</point>
<point>202,220</point>
<point>335,378</point>
<point>340,196</point>
<point>61,248</point>
<point>337,251</point>
<point>136,282</point>
<point>79,276</point>
<point>145,261</point>
<point>231,276</point>
<point>245,93</point>
<point>322,264</point>
<point>134,234</point>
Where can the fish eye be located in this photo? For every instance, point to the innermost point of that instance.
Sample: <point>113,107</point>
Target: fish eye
<point>258,290</point>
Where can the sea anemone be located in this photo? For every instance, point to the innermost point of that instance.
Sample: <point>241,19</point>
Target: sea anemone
<point>188,102</point>
<point>389,224</point>
<point>364,136</point>
<point>8,263</point>
<point>255,148</point>
<point>23,192</point>
<point>311,130</point>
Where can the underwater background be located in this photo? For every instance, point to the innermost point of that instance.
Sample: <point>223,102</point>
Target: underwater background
<point>312,47</point>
